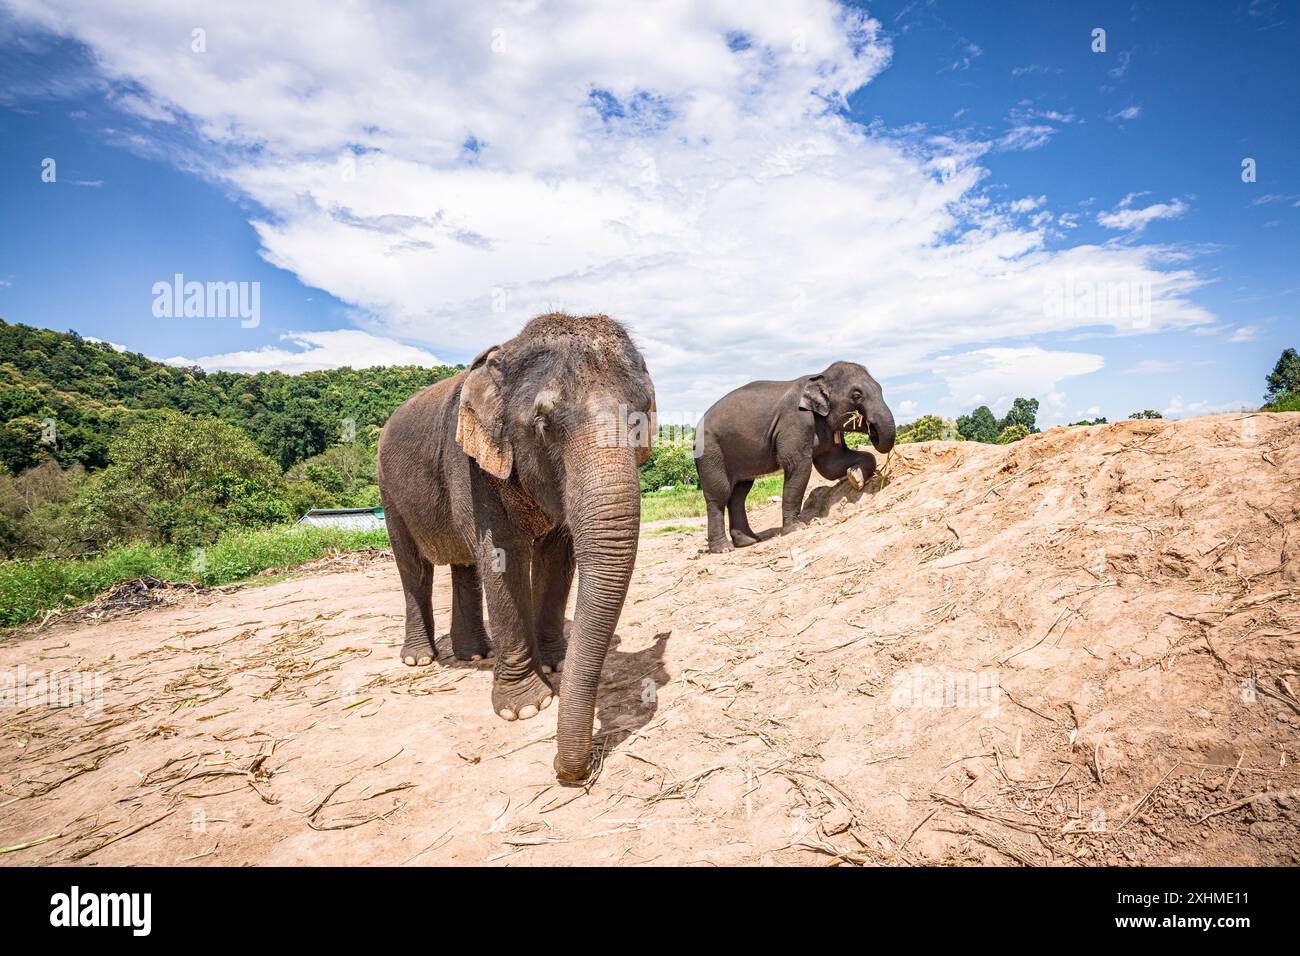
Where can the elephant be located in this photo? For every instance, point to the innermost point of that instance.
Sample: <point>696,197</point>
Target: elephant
<point>792,426</point>
<point>514,472</point>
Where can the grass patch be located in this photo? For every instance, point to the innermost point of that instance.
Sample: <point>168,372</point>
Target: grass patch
<point>30,588</point>
<point>689,502</point>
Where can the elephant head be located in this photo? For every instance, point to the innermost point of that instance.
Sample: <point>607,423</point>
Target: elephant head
<point>562,412</point>
<point>851,401</point>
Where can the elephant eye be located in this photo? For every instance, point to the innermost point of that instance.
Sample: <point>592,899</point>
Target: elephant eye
<point>856,394</point>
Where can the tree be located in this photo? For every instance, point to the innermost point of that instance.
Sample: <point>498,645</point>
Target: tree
<point>1012,433</point>
<point>671,462</point>
<point>1095,421</point>
<point>1024,411</point>
<point>173,479</point>
<point>979,425</point>
<point>930,428</point>
<point>1285,377</point>
<point>1146,413</point>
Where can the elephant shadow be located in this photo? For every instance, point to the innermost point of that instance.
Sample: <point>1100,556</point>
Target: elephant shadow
<point>628,697</point>
<point>819,502</point>
<point>822,499</point>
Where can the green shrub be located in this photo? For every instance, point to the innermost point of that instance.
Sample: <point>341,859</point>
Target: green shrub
<point>671,462</point>
<point>173,479</point>
<point>930,428</point>
<point>1289,402</point>
<point>1012,433</point>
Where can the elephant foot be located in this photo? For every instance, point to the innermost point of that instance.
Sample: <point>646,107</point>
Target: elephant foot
<point>720,547</point>
<point>523,698</point>
<point>792,527</point>
<point>742,539</point>
<point>858,476</point>
<point>550,655</point>
<point>471,647</point>
<point>417,651</point>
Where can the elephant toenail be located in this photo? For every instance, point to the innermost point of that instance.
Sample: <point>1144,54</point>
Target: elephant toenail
<point>546,668</point>
<point>546,702</point>
<point>526,711</point>
<point>505,713</point>
<point>476,657</point>
<point>409,661</point>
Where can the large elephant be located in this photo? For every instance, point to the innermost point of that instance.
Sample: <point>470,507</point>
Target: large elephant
<point>790,426</point>
<point>513,472</point>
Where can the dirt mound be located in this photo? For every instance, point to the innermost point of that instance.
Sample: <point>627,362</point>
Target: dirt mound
<point>1078,649</point>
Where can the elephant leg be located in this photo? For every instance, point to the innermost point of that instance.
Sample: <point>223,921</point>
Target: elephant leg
<point>469,640</point>
<point>842,460</point>
<point>519,690</point>
<point>741,533</point>
<point>416,573</point>
<point>716,487</point>
<point>797,474</point>
<point>553,566</point>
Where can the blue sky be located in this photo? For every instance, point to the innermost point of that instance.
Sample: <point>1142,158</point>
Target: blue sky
<point>755,192</point>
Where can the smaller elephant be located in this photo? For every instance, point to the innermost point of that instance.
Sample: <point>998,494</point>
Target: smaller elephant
<point>791,426</point>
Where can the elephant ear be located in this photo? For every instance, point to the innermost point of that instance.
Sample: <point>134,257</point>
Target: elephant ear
<point>813,398</point>
<point>481,425</point>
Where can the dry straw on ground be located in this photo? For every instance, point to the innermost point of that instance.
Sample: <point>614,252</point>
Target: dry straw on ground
<point>1078,649</point>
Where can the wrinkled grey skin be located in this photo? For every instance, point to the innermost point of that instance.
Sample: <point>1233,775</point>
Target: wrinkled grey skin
<point>514,474</point>
<point>791,426</point>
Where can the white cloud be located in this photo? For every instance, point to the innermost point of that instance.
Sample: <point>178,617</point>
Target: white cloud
<point>113,345</point>
<point>449,171</point>
<point>316,350</point>
<point>1034,68</point>
<point>1269,198</point>
<point>1031,128</point>
<point>1245,333</point>
<point>1125,58</point>
<point>969,53</point>
<point>906,407</point>
<point>1177,408</point>
<point>1127,113</point>
<point>1127,217</point>
<point>997,376</point>
<point>1028,203</point>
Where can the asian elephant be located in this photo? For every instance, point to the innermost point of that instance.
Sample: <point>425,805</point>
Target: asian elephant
<point>514,472</point>
<point>791,426</point>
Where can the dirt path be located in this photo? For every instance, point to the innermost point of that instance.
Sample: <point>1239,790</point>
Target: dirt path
<point>1082,648</point>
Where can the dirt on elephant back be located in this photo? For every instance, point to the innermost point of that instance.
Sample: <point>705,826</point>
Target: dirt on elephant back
<point>1078,649</point>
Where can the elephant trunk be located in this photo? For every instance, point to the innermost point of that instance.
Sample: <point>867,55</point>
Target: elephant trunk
<point>881,427</point>
<point>604,509</point>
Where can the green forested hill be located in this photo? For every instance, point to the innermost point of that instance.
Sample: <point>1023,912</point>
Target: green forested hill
<point>90,392</point>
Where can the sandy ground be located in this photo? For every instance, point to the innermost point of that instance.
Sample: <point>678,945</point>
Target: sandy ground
<point>1080,649</point>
